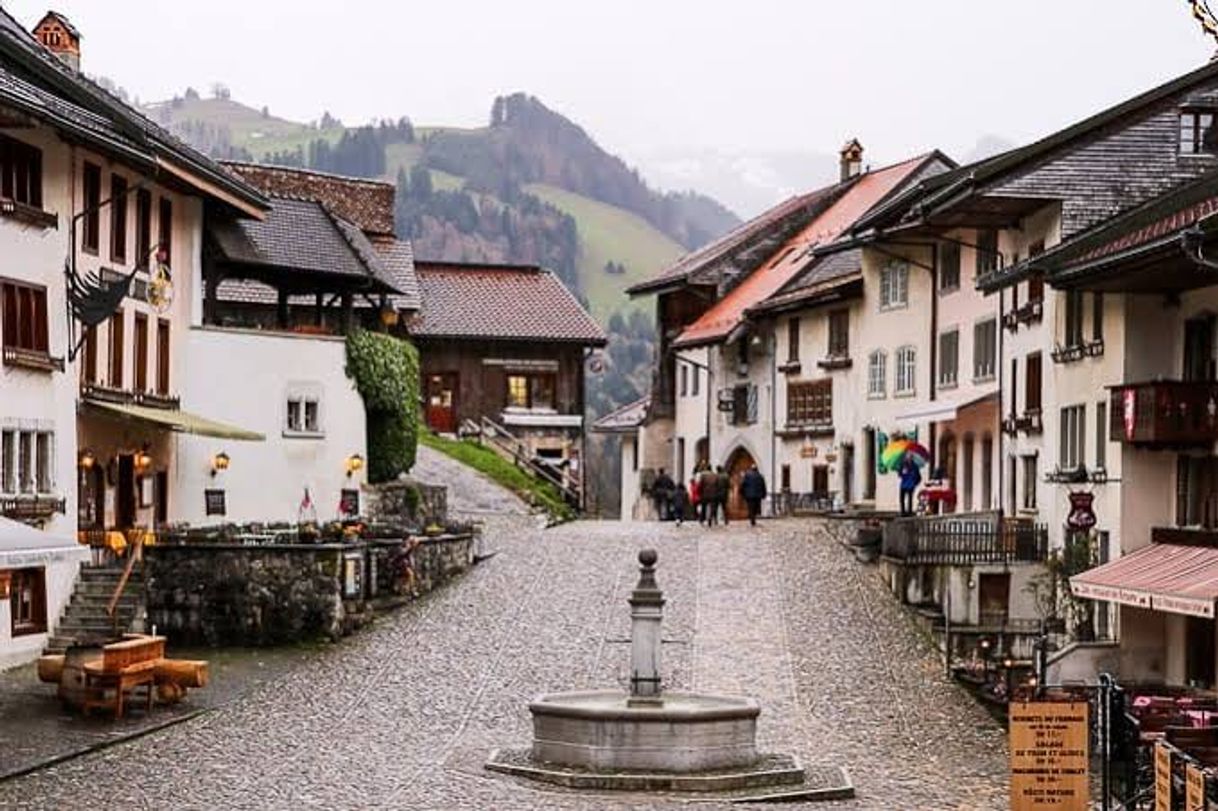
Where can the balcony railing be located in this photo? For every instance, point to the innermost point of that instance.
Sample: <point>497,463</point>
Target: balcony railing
<point>96,391</point>
<point>962,542</point>
<point>1165,413</point>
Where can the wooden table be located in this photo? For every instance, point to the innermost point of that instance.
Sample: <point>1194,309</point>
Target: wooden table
<point>98,681</point>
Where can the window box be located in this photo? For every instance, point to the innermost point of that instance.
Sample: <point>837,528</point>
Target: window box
<point>32,508</point>
<point>791,367</point>
<point>1094,349</point>
<point>1076,475</point>
<point>1069,354</point>
<point>32,359</point>
<point>832,364</point>
<point>1029,423</point>
<point>809,430</point>
<point>27,214</point>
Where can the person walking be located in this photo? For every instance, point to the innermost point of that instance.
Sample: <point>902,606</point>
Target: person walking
<point>695,500</point>
<point>753,491</point>
<point>661,494</point>
<point>911,477</point>
<point>680,504</point>
<point>708,484</point>
<point>723,488</point>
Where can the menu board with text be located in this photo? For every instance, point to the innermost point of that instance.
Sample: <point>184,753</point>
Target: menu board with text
<point>1049,756</point>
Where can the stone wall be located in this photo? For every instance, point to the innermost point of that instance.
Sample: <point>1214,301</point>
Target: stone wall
<point>231,594</point>
<point>393,503</point>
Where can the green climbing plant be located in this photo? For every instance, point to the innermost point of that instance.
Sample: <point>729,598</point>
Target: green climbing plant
<point>386,374</point>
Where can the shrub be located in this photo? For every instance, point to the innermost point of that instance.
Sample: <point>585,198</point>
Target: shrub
<point>386,374</point>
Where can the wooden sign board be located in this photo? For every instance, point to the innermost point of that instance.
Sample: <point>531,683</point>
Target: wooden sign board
<point>1162,778</point>
<point>1194,788</point>
<point>1049,756</point>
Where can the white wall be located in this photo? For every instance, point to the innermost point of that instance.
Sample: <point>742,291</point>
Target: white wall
<point>243,378</point>
<point>691,410</point>
<point>61,565</point>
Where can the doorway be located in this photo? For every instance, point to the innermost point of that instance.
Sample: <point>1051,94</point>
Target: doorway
<point>820,481</point>
<point>441,402</point>
<point>739,462</point>
<point>847,465</point>
<point>869,464</point>
<point>91,497</point>
<point>1199,655</point>
<point>994,595</point>
<point>1199,348</point>
<point>124,504</point>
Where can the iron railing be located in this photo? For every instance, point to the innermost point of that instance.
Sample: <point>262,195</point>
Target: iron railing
<point>959,542</point>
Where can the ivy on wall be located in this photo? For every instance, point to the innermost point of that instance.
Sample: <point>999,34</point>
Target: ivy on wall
<point>386,374</point>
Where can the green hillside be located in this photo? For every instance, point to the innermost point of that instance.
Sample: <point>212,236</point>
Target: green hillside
<point>610,234</point>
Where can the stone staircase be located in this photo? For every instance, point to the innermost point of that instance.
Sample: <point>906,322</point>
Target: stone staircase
<point>85,619</point>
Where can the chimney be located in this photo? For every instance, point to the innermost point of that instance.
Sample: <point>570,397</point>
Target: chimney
<point>60,37</point>
<point>852,159</point>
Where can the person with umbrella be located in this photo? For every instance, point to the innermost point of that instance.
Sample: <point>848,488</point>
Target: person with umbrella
<point>906,456</point>
<point>911,477</point>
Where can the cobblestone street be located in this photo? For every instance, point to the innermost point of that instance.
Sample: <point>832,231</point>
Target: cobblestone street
<point>404,715</point>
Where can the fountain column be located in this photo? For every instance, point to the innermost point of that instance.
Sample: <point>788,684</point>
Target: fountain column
<point>646,613</point>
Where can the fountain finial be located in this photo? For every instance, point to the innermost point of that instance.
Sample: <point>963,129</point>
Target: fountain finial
<point>646,612</point>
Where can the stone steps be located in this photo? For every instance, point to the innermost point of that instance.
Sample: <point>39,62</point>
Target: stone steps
<point>86,618</point>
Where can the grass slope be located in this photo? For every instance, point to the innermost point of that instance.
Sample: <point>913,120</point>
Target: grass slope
<point>610,233</point>
<point>502,472</point>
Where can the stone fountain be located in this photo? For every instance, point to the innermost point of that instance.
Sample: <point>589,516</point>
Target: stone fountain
<point>652,739</point>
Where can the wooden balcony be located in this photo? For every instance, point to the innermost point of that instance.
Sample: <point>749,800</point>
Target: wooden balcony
<point>965,542</point>
<point>1165,414</point>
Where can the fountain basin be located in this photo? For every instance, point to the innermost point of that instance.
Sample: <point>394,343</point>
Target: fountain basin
<point>678,733</point>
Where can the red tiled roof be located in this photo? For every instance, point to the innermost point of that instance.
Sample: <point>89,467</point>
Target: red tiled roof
<point>1176,221</point>
<point>500,302</point>
<point>717,322</point>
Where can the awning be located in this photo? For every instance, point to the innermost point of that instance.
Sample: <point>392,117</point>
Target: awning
<point>942,410</point>
<point>182,422</point>
<point>1161,577</point>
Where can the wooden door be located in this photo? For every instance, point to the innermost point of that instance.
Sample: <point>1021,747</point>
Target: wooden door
<point>442,402</point>
<point>820,480</point>
<point>124,505</point>
<point>737,509</point>
<point>994,594</point>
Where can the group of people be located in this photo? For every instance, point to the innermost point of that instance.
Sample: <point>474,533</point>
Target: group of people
<point>705,497</point>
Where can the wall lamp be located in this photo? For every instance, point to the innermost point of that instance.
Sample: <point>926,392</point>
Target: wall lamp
<point>142,459</point>
<point>87,460</point>
<point>219,462</point>
<point>355,462</point>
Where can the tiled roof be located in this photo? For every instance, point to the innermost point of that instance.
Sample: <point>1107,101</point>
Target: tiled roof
<point>794,212</point>
<point>26,59</point>
<point>500,302</point>
<point>300,235</point>
<point>872,187</point>
<point>366,203</point>
<point>827,273</point>
<point>625,419</point>
<point>397,255</point>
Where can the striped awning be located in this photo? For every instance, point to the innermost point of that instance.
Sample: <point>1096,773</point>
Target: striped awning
<point>182,422</point>
<point>1161,577</point>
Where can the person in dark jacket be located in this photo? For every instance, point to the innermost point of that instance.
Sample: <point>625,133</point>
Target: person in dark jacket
<point>680,504</point>
<point>723,487</point>
<point>708,485</point>
<point>753,491</point>
<point>661,494</point>
<point>911,477</point>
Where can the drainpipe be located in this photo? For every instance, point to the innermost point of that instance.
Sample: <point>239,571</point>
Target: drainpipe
<point>1001,362</point>
<point>773,410</point>
<point>934,350</point>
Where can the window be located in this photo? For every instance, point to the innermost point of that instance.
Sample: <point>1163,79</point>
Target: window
<point>8,462</point>
<point>839,334</point>
<point>141,352</point>
<point>1101,435</point>
<point>684,380</point>
<point>786,478</point>
<point>90,371</point>
<point>1029,482</point>
<point>877,372</point>
<point>697,374</point>
<point>987,252</point>
<point>1074,318</point>
<point>906,365</point>
<point>1032,384</point>
<point>165,231</point>
<point>793,340</point>
<point>536,391</point>
<point>20,172</point>
<point>91,228</point>
<point>143,227</point>
<point>43,460</point>
<point>810,403</point>
<point>967,474</point>
<point>894,285</point>
<point>27,601</point>
<point>162,356</point>
<point>1197,136</point>
<point>949,357</point>
<point>949,267</point>
<point>1097,316</point>
<point>985,349</point>
<point>1036,288</point>
<point>26,474</point>
<point>23,308</point>
<point>987,472</point>
<point>27,461</point>
<point>1072,433</point>
<point>116,350</point>
<point>634,453</point>
<point>118,219</point>
<point>304,414</point>
<point>1013,387</point>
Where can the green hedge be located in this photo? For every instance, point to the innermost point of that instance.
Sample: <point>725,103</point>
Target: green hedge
<point>386,374</point>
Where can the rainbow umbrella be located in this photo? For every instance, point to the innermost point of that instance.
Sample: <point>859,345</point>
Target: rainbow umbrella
<point>898,449</point>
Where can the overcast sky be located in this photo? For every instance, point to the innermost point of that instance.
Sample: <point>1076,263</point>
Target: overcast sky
<point>760,75</point>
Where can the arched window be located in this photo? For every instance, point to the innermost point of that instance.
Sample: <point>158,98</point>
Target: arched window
<point>877,373</point>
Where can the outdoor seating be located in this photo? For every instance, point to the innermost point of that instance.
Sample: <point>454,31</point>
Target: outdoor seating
<point>123,667</point>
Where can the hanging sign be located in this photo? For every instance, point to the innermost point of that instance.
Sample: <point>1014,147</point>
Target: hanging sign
<point>1049,756</point>
<point>1194,788</point>
<point>1162,777</point>
<point>1082,515</point>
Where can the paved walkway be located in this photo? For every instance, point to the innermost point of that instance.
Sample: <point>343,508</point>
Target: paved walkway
<point>469,492</point>
<point>403,716</point>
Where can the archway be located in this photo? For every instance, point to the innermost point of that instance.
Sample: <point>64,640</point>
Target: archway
<point>739,462</point>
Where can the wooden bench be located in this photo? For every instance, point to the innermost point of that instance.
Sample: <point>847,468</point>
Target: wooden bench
<point>123,667</point>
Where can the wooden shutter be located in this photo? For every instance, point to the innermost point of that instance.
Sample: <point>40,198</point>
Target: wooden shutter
<point>752,418</point>
<point>116,350</point>
<point>1033,382</point>
<point>166,230</point>
<point>141,352</point>
<point>162,357</point>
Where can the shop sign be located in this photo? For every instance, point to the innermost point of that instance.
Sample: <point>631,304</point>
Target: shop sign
<point>1082,515</point>
<point>1162,777</point>
<point>348,503</point>
<point>1049,756</point>
<point>807,452</point>
<point>1194,788</point>
<point>213,502</point>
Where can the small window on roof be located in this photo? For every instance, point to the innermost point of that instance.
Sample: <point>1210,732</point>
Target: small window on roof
<point>1197,133</point>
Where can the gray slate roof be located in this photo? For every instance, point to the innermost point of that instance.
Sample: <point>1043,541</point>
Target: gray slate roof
<point>397,256</point>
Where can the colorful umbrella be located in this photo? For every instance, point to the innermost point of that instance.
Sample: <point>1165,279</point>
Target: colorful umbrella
<point>899,449</point>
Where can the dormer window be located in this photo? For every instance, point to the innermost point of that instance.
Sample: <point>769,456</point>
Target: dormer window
<point>1197,133</point>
